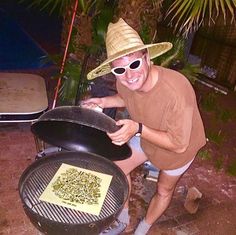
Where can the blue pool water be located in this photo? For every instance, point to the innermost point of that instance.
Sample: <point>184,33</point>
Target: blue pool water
<point>17,49</point>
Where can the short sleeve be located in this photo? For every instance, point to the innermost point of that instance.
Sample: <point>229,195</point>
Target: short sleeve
<point>179,119</point>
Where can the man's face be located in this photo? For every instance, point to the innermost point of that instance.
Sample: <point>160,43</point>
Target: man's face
<point>132,70</point>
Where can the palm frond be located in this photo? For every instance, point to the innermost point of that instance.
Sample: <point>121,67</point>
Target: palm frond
<point>48,5</point>
<point>189,15</point>
<point>71,78</point>
<point>176,59</point>
<point>176,53</point>
<point>231,9</point>
<point>191,71</point>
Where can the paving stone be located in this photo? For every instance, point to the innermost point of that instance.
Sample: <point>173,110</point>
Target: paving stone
<point>170,223</point>
<point>185,218</point>
<point>188,229</point>
<point>192,200</point>
<point>175,210</point>
<point>181,233</point>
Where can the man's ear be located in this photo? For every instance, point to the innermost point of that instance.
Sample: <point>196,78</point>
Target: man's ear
<point>149,62</point>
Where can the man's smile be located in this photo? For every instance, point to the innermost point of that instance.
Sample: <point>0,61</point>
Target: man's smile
<point>131,81</point>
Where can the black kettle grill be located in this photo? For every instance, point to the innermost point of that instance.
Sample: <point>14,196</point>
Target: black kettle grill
<point>81,132</point>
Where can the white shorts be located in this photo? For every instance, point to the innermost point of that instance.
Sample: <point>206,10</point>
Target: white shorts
<point>178,171</point>
<point>135,143</point>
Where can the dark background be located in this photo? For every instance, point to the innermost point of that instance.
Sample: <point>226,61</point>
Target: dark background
<point>43,27</point>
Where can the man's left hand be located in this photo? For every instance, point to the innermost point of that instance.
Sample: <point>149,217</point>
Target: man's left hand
<point>127,131</point>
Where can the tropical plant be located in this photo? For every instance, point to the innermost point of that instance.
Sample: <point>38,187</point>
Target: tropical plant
<point>48,5</point>
<point>93,16</point>
<point>188,15</point>
<point>176,59</point>
<point>87,41</point>
<point>87,37</point>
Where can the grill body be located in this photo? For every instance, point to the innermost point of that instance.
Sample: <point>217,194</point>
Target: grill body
<point>55,220</point>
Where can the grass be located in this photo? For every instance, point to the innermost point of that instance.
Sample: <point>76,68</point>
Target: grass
<point>209,102</point>
<point>219,162</point>
<point>221,118</point>
<point>205,154</point>
<point>231,170</point>
<point>225,115</point>
<point>216,137</point>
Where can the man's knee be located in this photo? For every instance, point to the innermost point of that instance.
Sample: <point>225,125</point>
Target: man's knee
<point>164,190</point>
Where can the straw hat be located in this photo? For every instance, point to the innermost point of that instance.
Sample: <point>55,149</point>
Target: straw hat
<point>122,40</point>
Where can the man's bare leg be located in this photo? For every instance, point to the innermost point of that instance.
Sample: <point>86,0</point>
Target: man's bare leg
<point>160,201</point>
<point>128,165</point>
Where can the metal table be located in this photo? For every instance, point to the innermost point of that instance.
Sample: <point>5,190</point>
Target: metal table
<point>23,97</point>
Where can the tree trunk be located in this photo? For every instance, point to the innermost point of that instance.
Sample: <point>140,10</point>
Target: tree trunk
<point>81,33</point>
<point>140,13</point>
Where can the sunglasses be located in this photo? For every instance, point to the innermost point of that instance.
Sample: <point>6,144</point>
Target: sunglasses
<point>134,65</point>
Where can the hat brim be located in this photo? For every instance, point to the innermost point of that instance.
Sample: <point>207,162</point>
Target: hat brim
<point>154,50</point>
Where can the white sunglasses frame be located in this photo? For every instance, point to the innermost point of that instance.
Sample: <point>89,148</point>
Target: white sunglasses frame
<point>128,66</point>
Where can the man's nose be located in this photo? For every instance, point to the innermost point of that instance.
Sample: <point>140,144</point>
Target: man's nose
<point>128,73</point>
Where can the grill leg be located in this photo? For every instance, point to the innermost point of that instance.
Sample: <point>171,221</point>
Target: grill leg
<point>40,145</point>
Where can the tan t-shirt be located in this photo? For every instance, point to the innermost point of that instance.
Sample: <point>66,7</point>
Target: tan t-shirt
<point>170,106</point>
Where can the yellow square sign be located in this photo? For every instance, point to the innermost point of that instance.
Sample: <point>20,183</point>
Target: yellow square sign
<point>77,188</point>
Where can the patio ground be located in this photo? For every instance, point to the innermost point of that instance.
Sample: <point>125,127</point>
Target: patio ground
<point>209,173</point>
<point>216,213</point>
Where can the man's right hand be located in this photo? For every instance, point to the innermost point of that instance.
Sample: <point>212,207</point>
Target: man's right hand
<point>114,101</point>
<point>93,103</point>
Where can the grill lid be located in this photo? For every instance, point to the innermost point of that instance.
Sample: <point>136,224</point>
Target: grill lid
<point>79,129</point>
<point>83,116</point>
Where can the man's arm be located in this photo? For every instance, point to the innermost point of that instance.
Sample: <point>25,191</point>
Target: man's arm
<point>163,140</point>
<point>114,101</point>
<point>171,139</point>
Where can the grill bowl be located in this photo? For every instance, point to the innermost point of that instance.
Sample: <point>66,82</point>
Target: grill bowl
<point>53,219</point>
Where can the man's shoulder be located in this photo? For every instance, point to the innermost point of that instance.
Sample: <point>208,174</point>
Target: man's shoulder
<point>170,73</point>
<point>176,84</point>
<point>175,79</point>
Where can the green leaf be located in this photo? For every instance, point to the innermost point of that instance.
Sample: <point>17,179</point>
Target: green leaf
<point>82,5</point>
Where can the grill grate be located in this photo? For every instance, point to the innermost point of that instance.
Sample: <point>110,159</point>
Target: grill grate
<point>34,182</point>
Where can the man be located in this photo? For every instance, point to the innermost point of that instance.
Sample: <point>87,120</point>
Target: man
<point>163,110</point>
